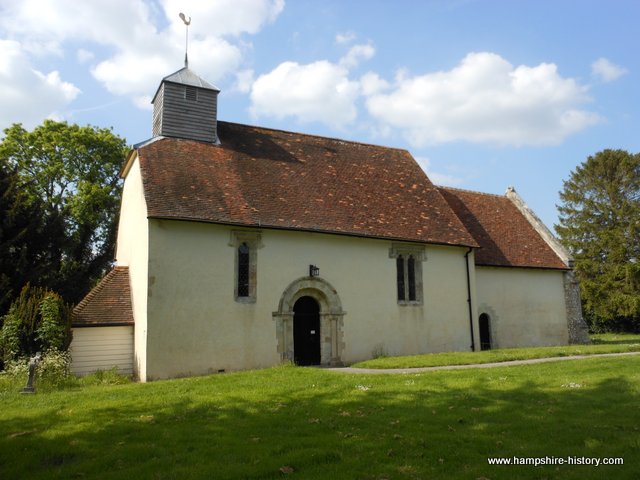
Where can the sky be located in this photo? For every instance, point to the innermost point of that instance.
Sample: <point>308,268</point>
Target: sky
<point>485,94</point>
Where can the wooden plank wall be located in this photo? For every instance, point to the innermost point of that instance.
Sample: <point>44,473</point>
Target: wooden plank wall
<point>185,118</point>
<point>102,348</point>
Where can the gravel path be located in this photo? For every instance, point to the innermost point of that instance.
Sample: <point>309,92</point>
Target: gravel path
<point>379,371</point>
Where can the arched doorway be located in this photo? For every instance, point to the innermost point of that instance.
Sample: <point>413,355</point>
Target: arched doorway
<point>306,331</point>
<point>318,299</point>
<point>485,332</point>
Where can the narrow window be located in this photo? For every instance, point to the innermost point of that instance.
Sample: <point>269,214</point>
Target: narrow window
<point>400,277</point>
<point>485,332</point>
<point>243,270</point>
<point>411,270</point>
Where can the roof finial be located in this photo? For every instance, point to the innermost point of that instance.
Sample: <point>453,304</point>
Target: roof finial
<point>186,41</point>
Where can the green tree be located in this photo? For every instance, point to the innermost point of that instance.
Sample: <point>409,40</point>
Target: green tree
<point>71,173</point>
<point>21,236</point>
<point>600,225</point>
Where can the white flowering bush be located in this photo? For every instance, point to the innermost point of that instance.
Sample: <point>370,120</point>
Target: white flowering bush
<point>54,370</point>
<point>14,376</point>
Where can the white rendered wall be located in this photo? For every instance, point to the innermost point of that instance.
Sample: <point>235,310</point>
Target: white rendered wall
<point>196,327</point>
<point>102,348</point>
<point>133,251</point>
<point>526,306</point>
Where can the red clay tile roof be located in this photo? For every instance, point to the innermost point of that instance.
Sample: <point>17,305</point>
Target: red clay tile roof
<point>506,237</point>
<point>108,304</point>
<point>269,178</point>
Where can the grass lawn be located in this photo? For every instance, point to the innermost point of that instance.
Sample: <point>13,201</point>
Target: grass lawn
<point>602,343</point>
<point>309,423</point>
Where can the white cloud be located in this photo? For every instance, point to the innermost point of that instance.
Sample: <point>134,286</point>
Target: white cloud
<point>27,95</point>
<point>151,65</point>
<point>345,37</point>
<point>357,54</point>
<point>606,71</point>
<point>371,83</point>
<point>137,87</point>
<point>222,17</point>
<point>485,99</point>
<point>49,24</point>
<point>84,56</point>
<point>142,50</point>
<point>435,177</point>
<point>319,91</point>
<point>244,81</point>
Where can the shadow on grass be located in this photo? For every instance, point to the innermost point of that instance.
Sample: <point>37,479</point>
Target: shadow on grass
<point>312,424</point>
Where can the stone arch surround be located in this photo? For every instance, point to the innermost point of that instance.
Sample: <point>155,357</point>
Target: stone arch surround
<point>331,319</point>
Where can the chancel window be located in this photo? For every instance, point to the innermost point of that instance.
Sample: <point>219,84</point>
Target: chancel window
<point>243,270</point>
<point>408,273</point>
<point>246,244</point>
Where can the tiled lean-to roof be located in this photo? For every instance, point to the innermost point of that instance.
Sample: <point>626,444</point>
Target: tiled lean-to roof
<point>260,177</point>
<point>108,304</point>
<point>505,236</point>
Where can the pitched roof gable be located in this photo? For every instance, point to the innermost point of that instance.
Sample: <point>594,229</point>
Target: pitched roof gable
<point>108,304</point>
<point>274,179</point>
<point>506,237</point>
<point>186,76</point>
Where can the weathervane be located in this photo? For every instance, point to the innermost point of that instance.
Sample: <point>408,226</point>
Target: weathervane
<point>186,41</point>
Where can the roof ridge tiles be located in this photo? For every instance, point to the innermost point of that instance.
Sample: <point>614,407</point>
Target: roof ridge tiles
<point>148,141</point>
<point>442,187</point>
<point>314,135</point>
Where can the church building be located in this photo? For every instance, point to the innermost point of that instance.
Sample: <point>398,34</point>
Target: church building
<point>243,247</point>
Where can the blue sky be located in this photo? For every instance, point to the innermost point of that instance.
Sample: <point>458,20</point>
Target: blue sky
<point>484,94</point>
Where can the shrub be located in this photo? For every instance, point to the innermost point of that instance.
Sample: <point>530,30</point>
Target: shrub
<point>38,320</point>
<point>10,344</point>
<point>53,329</point>
<point>616,325</point>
